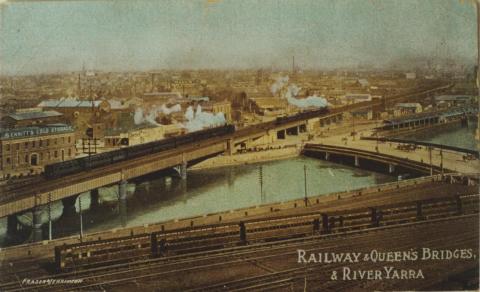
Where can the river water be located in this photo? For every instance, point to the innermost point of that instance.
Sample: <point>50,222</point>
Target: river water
<point>162,198</point>
<point>463,137</point>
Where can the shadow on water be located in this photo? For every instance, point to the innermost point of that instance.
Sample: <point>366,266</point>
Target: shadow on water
<point>164,196</point>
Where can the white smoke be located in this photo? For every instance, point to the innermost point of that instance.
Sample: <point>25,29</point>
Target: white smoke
<point>293,90</point>
<point>197,120</point>
<point>279,84</point>
<point>176,108</point>
<point>311,101</point>
<point>138,116</point>
<point>141,117</point>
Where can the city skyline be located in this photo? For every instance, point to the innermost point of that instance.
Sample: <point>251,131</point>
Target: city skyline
<point>53,36</point>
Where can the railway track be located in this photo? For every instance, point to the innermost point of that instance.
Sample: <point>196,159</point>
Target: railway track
<point>23,189</point>
<point>217,236</point>
<point>148,270</point>
<point>263,235</point>
<point>316,276</point>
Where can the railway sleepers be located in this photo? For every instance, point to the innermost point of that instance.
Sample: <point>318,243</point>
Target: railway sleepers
<point>218,236</point>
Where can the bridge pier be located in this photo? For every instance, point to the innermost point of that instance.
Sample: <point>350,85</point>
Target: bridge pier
<point>12,225</point>
<point>94,199</point>
<point>122,190</point>
<point>122,201</point>
<point>391,168</point>
<point>281,134</point>
<point>230,146</point>
<point>37,234</point>
<point>183,170</point>
<point>69,206</point>
<point>357,161</point>
<point>327,156</point>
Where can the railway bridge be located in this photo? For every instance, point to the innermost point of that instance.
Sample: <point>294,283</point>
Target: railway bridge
<point>35,195</point>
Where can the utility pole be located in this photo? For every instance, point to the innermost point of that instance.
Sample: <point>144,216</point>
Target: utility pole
<point>441,161</point>
<point>81,219</point>
<point>353,126</point>
<point>305,184</point>
<point>49,216</point>
<point>430,155</point>
<point>260,179</point>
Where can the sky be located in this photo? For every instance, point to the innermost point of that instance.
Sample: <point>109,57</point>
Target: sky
<point>119,35</point>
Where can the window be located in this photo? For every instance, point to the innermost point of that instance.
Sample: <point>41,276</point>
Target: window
<point>69,139</point>
<point>26,158</point>
<point>63,140</point>
<point>40,143</point>
<point>55,154</point>
<point>17,146</point>
<point>26,145</point>
<point>33,144</point>
<point>69,152</point>
<point>48,142</point>
<point>7,147</point>
<point>8,160</point>
<point>55,141</point>
<point>41,156</point>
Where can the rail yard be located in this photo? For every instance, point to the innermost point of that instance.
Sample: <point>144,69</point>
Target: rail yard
<point>261,251</point>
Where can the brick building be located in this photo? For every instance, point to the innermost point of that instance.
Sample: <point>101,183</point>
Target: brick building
<point>26,150</point>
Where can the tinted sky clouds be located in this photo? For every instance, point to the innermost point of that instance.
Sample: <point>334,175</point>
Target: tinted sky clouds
<point>51,36</point>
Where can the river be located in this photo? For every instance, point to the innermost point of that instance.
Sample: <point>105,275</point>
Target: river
<point>206,191</point>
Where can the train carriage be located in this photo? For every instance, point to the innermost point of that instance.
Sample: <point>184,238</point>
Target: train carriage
<point>98,160</point>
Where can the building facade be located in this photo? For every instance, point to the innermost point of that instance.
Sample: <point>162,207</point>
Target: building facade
<point>84,114</point>
<point>25,151</point>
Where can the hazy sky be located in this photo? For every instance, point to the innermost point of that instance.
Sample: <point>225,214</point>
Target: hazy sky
<point>51,36</point>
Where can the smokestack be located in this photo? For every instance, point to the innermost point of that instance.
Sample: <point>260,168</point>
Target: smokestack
<point>151,90</point>
<point>293,66</point>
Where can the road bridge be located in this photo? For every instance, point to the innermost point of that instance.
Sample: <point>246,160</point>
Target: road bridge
<point>437,157</point>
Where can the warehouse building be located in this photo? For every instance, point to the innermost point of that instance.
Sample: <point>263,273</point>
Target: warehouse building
<point>26,150</point>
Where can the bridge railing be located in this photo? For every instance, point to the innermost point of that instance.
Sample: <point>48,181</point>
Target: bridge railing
<point>427,144</point>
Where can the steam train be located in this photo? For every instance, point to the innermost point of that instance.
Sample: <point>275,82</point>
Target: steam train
<point>98,160</point>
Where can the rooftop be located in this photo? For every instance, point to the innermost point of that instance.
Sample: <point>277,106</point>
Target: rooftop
<point>452,97</point>
<point>74,102</point>
<point>407,104</point>
<point>19,116</point>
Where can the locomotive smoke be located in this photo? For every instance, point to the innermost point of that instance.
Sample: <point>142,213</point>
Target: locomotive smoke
<point>141,117</point>
<point>292,91</point>
<point>197,120</point>
<point>279,84</point>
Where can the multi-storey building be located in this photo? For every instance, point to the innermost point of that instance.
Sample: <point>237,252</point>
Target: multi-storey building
<point>26,150</point>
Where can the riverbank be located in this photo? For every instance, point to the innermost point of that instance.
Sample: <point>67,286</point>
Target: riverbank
<point>254,156</point>
<point>401,133</point>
